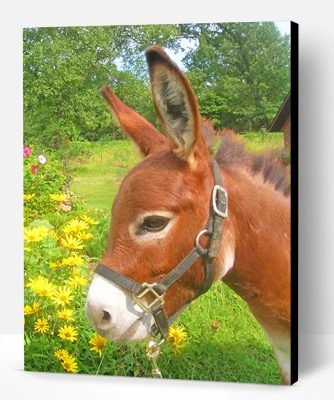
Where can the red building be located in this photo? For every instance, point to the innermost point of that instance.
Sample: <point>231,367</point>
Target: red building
<point>282,121</point>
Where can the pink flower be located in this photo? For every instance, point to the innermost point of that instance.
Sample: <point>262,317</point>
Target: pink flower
<point>41,159</point>
<point>34,169</point>
<point>26,152</point>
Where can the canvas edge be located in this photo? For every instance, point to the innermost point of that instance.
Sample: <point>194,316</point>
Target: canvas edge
<point>294,200</point>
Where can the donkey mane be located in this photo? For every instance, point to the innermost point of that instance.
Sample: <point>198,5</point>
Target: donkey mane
<point>232,154</point>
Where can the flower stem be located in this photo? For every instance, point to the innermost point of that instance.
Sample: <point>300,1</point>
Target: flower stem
<point>98,368</point>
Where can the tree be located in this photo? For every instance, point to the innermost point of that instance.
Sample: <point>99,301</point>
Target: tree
<point>240,72</point>
<point>64,68</point>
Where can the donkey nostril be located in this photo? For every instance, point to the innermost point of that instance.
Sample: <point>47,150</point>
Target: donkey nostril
<point>106,316</point>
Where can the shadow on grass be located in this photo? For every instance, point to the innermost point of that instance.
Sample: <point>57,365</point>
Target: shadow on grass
<point>230,362</point>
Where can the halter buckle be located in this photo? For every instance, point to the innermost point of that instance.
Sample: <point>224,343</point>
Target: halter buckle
<point>222,213</point>
<point>149,288</point>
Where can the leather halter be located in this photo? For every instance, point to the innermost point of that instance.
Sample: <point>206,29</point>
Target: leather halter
<point>157,290</point>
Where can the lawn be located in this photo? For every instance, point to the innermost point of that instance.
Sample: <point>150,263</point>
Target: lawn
<point>97,179</point>
<point>258,142</point>
<point>224,341</point>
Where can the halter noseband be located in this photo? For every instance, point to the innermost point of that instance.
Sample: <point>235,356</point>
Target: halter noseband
<point>157,290</point>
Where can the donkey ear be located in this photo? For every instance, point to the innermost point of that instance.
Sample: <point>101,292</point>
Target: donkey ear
<point>175,102</point>
<point>134,125</point>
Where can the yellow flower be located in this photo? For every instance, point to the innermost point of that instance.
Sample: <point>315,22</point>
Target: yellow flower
<point>35,234</point>
<point>29,310</point>
<point>56,264</point>
<point>61,354</point>
<point>41,286</point>
<point>89,220</point>
<point>73,261</point>
<point>67,332</point>
<point>53,235</point>
<point>65,314</point>
<point>76,271</point>
<point>58,197</point>
<point>176,337</point>
<point>71,242</point>
<point>41,325</point>
<point>28,197</point>
<point>84,235</point>
<point>28,249</point>
<point>62,296</point>
<point>77,280</point>
<point>36,307</point>
<point>70,365</point>
<point>98,343</point>
<point>74,226</point>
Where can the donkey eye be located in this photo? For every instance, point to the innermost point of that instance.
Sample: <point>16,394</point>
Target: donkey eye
<point>153,224</point>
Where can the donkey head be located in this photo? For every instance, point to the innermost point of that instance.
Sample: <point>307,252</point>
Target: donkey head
<point>161,205</point>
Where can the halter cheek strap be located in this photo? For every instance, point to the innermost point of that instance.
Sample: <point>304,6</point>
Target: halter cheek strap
<point>145,292</point>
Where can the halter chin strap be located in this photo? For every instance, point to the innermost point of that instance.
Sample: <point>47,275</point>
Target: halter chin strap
<point>150,296</point>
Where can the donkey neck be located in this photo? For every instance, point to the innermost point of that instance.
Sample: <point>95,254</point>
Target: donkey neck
<point>257,242</point>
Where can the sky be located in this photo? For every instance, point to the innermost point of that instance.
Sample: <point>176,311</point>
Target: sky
<point>283,27</point>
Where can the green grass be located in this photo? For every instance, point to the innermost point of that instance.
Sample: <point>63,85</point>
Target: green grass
<point>257,142</point>
<point>237,351</point>
<point>97,180</point>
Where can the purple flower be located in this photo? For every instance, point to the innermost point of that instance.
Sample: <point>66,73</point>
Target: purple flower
<point>26,152</point>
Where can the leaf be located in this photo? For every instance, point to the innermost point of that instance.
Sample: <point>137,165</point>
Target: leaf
<point>38,222</point>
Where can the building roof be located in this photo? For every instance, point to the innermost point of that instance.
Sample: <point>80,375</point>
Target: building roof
<point>282,115</point>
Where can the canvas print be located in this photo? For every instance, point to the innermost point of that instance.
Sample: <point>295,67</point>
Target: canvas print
<point>157,201</point>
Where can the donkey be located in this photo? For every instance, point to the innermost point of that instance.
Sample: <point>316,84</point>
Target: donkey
<point>163,205</point>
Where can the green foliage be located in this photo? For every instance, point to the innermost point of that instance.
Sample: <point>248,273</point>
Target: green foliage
<point>40,181</point>
<point>77,151</point>
<point>64,69</point>
<point>61,81</point>
<point>240,72</point>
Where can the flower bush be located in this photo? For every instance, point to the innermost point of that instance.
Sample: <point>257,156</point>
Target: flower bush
<point>44,180</point>
<point>56,278</point>
<point>61,246</point>
<point>56,268</point>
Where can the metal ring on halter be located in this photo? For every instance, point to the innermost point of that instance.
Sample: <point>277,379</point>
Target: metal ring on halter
<point>201,249</point>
